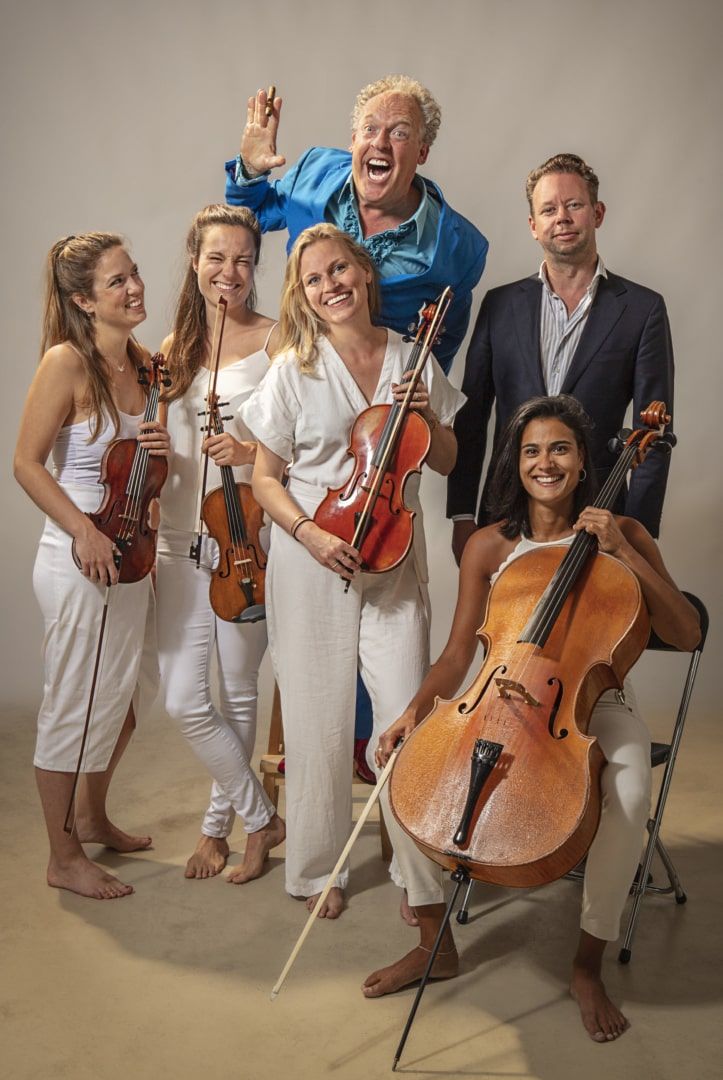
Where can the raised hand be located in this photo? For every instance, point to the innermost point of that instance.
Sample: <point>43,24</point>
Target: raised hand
<point>258,142</point>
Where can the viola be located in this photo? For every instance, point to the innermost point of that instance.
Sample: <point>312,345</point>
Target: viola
<point>502,783</point>
<point>132,479</point>
<point>234,520</point>
<point>388,444</point>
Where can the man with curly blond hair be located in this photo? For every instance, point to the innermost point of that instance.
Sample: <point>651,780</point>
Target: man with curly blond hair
<point>373,192</point>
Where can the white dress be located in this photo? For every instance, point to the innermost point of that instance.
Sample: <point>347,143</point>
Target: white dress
<point>189,633</point>
<point>318,634</point>
<point>625,782</point>
<point>72,609</point>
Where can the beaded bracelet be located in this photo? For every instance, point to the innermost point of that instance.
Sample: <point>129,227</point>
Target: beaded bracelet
<point>296,525</point>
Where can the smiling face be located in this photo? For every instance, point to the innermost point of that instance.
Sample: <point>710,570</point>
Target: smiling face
<point>564,218</point>
<point>225,265</point>
<point>386,148</point>
<point>550,461</point>
<point>117,296</point>
<point>334,283</point>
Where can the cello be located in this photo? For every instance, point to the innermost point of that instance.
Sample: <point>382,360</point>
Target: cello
<point>510,776</point>
<point>388,443</point>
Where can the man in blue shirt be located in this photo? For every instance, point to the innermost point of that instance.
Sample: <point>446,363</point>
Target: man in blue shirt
<point>373,192</point>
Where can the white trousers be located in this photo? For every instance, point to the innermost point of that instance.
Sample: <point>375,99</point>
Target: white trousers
<point>319,636</point>
<point>188,635</point>
<point>72,608</point>
<point>626,780</point>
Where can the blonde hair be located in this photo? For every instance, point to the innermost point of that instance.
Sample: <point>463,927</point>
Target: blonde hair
<point>70,271</point>
<point>299,325</point>
<point>190,331</point>
<point>402,84</point>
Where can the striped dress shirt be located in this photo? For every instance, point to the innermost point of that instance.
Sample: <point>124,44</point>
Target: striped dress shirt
<point>559,333</point>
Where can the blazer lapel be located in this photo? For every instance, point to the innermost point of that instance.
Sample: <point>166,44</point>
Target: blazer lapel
<point>608,306</point>
<point>526,312</point>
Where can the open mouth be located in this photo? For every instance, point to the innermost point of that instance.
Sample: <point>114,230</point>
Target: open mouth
<point>134,304</point>
<point>378,169</point>
<point>548,481</point>
<point>334,301</point>
<point>224,286</point>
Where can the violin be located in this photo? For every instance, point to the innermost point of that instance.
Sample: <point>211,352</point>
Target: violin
<point>234,520</point>
<point>502,783</point>
<point>132,479</point>
<point>231,516</point>
<point>388,443</point>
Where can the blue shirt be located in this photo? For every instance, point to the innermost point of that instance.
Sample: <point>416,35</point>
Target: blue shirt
<point>312,191</point>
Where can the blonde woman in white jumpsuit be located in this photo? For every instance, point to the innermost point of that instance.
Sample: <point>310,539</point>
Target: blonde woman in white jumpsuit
<point>333,364</point>
<point>84,394</point>
<point>541,494</point>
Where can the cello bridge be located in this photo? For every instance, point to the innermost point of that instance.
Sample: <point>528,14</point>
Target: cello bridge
<point>508,687</point>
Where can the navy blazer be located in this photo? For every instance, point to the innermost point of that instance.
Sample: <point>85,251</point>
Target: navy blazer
<point>625,354</point>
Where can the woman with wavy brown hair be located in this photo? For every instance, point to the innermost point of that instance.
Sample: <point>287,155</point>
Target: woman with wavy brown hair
<point>84,394</point>
<point>222,249</point>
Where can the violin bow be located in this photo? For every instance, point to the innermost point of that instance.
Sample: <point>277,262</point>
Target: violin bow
<point>381,781</point>
<point>195,552</point>
<point>67,826</point>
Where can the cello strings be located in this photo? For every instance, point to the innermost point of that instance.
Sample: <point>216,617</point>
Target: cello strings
<point>543,619</point>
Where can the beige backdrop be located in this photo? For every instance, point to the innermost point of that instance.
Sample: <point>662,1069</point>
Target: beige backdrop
<point>119,117</point>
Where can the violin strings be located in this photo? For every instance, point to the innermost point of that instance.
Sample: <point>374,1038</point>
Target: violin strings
<point>136,480</point>
<point>380,459</point>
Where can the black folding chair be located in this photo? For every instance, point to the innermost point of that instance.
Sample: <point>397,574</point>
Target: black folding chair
<point>660,754</point>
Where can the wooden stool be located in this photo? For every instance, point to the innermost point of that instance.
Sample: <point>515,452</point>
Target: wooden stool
<point>272,779</point>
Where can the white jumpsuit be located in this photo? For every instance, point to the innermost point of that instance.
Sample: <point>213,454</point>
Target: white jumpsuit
<point>318,634</point>
<point>72,609</point>
<point>188,630</point>
<point>625,783</point>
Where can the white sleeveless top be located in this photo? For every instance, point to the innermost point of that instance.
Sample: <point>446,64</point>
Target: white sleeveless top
<point>524,545</point>
<point>76,460</point>
<point>181,494</point>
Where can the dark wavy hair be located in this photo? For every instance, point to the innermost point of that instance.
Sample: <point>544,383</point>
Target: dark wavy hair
<point>507,500</point>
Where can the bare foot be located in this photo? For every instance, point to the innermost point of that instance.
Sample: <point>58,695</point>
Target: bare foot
<point>408,914</point>
<point>83,877</point>
<point>209,858</point>
<point>105,832</point>
<point>258,846</point>
<point>332,906</point>
<point>410,969</point>
<point>602,1020</point>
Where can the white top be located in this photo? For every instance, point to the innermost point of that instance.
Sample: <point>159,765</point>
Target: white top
<point>524,545</point>
<point>307,420</point>
<point>181,494</point>
<point>76,460</point>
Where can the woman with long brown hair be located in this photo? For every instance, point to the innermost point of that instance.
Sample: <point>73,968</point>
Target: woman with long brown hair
<point>222,249</point>
<point>84,394</point>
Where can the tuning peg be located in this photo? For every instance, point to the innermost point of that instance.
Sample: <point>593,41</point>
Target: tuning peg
<point>227,417</point>
<point>167,380</point>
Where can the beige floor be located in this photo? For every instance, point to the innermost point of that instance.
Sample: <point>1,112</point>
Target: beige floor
<point>175,980</point>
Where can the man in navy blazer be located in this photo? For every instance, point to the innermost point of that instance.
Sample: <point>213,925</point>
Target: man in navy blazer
<point>573,328</point>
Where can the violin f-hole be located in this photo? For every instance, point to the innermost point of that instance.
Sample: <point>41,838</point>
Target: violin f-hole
<point>484,758</point>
